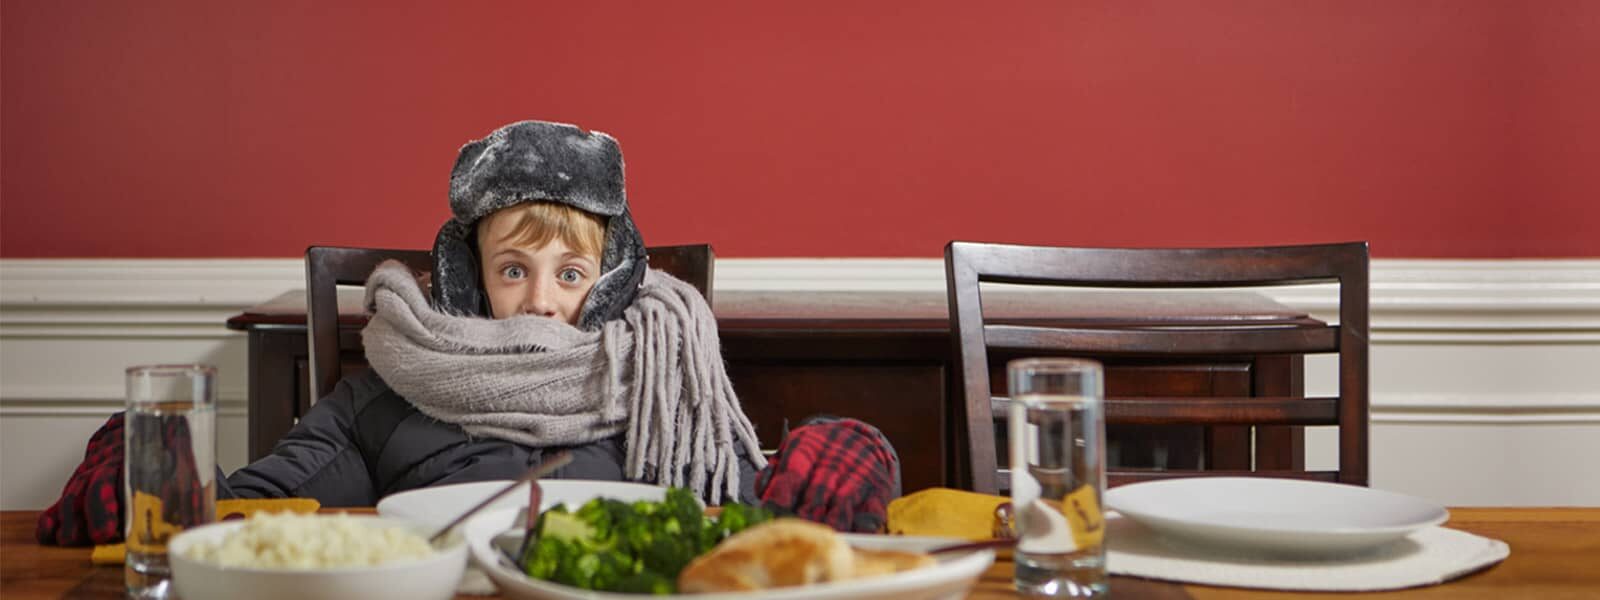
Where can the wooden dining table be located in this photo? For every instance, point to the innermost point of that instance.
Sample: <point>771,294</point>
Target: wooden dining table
<point>1555,554</point>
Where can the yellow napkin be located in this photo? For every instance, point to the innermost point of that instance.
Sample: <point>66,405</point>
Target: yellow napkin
<point>945,512</point>
<point>114,554</point>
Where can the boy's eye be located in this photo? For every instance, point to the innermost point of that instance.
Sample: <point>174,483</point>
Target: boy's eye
<point>513,272</point>
<point>571,275</point>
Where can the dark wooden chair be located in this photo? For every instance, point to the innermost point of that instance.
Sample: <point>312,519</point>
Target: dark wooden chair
<point>968,264</point>
<point>328,267</point>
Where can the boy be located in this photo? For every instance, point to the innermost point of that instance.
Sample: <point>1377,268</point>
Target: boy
<point>541,229</point>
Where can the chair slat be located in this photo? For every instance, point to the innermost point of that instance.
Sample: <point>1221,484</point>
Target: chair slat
<point>1255,410</point>
<point>1160,267</point>
<point>1296,340</point>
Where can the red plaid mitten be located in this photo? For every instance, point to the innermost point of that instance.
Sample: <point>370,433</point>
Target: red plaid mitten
<point>166,470</point>
<point>90,508</point>
<point>838,472</point>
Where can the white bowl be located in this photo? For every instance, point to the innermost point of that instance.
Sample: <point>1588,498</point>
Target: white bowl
<point>433,577</point>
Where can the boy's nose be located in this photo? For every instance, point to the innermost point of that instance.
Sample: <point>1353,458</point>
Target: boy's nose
<point>541,300</point>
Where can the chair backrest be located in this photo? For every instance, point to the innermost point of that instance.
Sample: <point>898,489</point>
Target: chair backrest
<point>328,267</point>
<point>695,264</point>
<point>968,264</point>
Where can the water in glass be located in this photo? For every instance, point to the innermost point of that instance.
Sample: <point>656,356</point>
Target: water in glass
<point>169,474</point>
<point>1058,474</point>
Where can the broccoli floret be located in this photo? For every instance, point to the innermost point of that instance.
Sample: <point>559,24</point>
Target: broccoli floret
<point>637,547</point>
<point>604,517</point>
<point>734,519</point>
<point>731,521</point>
<point>544,557</point>
<point>758,515</point>
<point>681,505</point>
<point>646,582</point>
<point>709,535</point>
<point>611,569</point>
<point>646,508</point>
<point>637,533</point>
<point>569,527</point>
<point>584,569</point>
<point>570,571</point>
<point>670,554</point>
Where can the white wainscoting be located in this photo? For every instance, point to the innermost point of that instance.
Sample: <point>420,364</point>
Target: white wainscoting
<point>1485,373</point>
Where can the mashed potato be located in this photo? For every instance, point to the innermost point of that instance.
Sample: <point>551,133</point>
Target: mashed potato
<point>291,541</point>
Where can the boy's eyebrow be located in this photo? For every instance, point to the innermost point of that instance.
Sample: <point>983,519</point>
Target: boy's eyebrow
<point>519,253</point>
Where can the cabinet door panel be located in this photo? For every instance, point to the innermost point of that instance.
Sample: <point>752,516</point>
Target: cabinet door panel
<point>904,401</point>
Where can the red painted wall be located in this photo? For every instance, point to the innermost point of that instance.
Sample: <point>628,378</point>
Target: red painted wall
<point>191,128</point>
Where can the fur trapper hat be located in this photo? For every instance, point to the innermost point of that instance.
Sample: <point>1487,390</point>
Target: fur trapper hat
<point>536,160</point>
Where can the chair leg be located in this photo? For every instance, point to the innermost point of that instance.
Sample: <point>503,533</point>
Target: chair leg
<point>1228,448</point>
<point>1280,448</point>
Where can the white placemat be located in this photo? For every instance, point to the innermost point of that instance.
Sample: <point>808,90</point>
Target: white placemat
<point>1427,557</point>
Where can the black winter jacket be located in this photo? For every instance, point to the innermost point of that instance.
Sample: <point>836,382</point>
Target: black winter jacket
<point>363,442</point>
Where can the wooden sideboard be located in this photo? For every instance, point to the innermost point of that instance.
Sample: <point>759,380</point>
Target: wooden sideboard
<point>886,358</point>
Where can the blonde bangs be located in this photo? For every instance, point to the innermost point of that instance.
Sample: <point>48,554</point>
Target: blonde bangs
<point>536,223</point>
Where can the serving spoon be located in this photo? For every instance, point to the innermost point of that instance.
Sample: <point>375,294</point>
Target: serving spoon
<point>969,546</point>
<point>545,468</point>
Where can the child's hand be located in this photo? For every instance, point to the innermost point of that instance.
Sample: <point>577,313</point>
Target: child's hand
<point>90,508</point>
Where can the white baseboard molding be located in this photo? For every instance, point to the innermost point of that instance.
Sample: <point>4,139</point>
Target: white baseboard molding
<point>225,283</point>
<point>1486,409</point>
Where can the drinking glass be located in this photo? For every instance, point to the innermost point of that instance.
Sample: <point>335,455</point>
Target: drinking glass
<point>168,479</point>
<point>1057,438</point>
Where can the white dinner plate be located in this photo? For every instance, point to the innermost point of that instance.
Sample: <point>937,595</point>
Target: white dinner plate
<point>951,578</point>
<point>1271,515</point>
<point>438,505</point>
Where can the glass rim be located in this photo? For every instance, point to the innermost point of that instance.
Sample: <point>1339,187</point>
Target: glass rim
<point>1055,364</point>
<point>171,369</point>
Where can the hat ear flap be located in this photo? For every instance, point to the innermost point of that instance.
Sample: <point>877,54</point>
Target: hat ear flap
<point>623,262</point>
<point>457,284</point>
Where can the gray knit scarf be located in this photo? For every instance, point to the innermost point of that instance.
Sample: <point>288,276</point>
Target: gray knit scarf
<point>656,373</point>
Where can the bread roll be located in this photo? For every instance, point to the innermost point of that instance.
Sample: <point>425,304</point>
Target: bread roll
<point>778,553</point>
<point>871,563</point>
